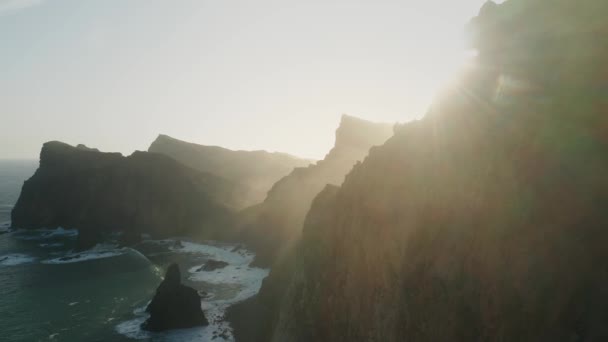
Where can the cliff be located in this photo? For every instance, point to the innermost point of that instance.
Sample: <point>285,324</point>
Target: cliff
<point>485,220</point>
<point>272,226</point>
<point>252,172</point>
<point>99,192</point>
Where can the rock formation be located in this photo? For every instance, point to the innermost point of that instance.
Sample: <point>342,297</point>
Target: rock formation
<point>212,265</point>
<point>174,306</point>
<point>271,226</point>
<point>252,172</point>
<point>103,192</point>
<point>485,220</point>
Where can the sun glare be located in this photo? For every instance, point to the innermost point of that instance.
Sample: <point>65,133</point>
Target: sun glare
<point>455,58</point>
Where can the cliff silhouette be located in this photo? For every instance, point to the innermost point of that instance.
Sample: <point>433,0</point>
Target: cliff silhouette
<point>483,221</point>
<point>252,173</point>
<point>272,226</point>
<point>96,193</point>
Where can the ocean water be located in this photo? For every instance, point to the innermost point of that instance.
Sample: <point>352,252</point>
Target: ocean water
<point>50,293</point>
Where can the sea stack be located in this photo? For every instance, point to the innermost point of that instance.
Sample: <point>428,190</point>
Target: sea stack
<point>174,306</point>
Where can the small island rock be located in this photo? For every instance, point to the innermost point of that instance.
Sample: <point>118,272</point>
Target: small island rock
<point>174,306</point>
<point>212,265</point>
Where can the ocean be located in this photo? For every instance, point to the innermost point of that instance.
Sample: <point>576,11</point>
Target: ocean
<point>50,293</point>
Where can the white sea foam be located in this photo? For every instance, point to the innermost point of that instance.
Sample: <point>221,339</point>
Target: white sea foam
<point>224,252</point>
<point>237,275</point>
<point>51,245</point>
<point>217,330</point>
<point>98,252</point>
<point>132,329</point>
<point>44,234</point>
<point>247,279</point>
<point>15,259</point>
<point>61,232</point>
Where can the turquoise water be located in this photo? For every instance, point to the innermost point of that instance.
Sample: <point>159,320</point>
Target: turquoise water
<point>50,293</point>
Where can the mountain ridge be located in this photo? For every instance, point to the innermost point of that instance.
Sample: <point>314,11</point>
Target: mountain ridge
<point>271,226</point>
<point>484,220</point>
<point>254,172</point>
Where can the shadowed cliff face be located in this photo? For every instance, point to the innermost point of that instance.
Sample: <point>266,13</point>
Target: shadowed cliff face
<point>272,226</point>
<point>252,172</point>
<point>175,305</point>
<point>485,220</point>
<point>102,192</point>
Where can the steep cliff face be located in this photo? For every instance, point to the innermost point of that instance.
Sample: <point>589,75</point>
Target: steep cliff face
<point>485,220</point>
<point>273,225</point>
<point>101,192</point>
<point>252,172</point>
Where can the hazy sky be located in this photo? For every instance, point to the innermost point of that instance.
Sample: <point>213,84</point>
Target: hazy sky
<point>244,74</point>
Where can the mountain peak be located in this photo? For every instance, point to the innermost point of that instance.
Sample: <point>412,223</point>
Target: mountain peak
<point>357,132</point>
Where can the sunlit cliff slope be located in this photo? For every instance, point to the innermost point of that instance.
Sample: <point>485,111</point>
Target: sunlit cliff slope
<point>272,226</point>
<point>485,220</point>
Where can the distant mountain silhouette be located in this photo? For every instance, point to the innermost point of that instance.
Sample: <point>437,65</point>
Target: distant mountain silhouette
<point>252,172</point>
<point>273,225</point>
<point>485,220</point>
<point>103,192</point>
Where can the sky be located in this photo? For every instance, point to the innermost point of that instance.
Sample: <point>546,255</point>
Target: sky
<point>243,74</point>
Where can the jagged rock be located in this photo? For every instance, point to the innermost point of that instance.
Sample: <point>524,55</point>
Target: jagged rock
<point>174,306</point>
<point>212,265</point>
<point>85,148</point>
<point>205,294</point>
<point>252,173</point>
